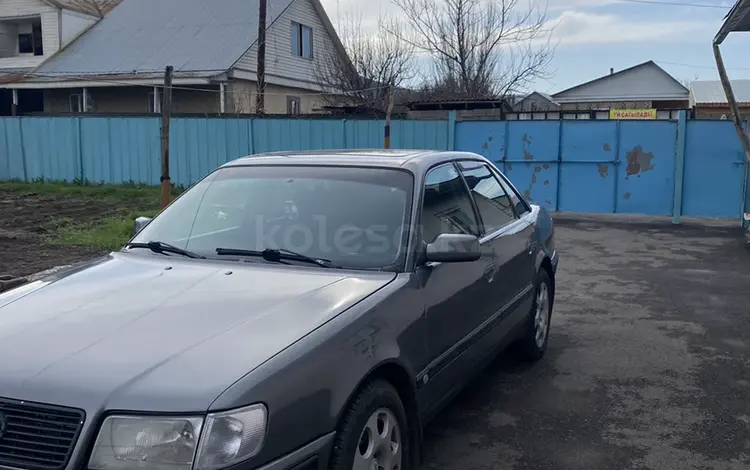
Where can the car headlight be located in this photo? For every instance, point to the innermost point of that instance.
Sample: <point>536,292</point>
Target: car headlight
<point>179,443</point>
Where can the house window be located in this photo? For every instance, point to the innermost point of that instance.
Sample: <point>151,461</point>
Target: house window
<point>292,105</point>
<point>302,40</point>
<point>30,42</point>
<point>25,43</point>
<point>153,107</point>
<point>76,103</point>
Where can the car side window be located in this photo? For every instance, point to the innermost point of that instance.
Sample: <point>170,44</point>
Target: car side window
<point>519,204</point>
<point>446,205</point>
<point>494,204</point>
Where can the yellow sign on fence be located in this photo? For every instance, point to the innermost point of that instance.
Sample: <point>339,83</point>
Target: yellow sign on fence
<point>632,114</point>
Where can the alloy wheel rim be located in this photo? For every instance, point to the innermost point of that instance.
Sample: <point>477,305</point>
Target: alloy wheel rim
<point>380,443</point>
<point>541,316</point>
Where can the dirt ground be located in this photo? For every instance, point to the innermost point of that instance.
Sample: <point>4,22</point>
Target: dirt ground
<point>28,217</point>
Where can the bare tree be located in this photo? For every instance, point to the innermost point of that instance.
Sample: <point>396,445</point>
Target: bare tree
<point>375,66</point>
<point>479,48</point>
<point>687,82</point>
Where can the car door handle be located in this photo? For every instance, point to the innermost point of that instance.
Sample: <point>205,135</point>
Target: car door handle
<point>489,271</point>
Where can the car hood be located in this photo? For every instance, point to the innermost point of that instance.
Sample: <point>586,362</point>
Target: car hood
<point>154,333</point>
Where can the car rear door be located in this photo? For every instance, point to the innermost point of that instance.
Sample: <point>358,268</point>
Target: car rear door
<point>511,237</point>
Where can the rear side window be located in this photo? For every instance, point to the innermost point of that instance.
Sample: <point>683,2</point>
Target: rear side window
<point>493,202</point>
<point>446,206</point>
<point>518,203</point>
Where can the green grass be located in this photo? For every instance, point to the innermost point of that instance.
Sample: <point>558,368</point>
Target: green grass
<point>113,209</point>
<point>106,234</point>
<point>111,193</point>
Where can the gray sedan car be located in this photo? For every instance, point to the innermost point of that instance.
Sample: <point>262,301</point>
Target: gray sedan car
<point>289,311</point>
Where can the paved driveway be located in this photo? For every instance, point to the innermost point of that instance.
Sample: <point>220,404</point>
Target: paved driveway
<point>648,364</point>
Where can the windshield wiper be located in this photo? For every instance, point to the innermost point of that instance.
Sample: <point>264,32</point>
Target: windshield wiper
<point>161,247</point>
<point>276,256</point>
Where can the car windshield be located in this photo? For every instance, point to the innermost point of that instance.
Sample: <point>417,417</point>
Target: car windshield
<point>351,216</point>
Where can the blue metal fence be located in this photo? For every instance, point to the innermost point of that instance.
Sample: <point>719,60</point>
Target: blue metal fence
<point>693,168</point>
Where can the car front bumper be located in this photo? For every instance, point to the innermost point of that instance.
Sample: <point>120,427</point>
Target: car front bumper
<point>313,456</point>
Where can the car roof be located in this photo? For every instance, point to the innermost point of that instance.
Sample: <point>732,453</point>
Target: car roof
<point>413,160</point>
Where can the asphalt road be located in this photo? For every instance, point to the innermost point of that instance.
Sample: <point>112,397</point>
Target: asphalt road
<point>648,364</point>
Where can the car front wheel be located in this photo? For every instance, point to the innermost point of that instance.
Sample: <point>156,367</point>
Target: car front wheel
<point>373,434</point>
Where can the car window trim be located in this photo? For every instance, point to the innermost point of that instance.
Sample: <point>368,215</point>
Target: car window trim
<point>474,206</point>
<point>487,236</point>
<point>515,191</point>
<point>417,237</point>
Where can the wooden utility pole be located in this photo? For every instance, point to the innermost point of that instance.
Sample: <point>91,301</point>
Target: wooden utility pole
<point>387,139</point>
<point>166,114</point>
<point>260,99</point>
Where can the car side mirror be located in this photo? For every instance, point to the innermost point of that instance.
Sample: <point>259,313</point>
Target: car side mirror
<point>139,223</point>
<point>453,248</point>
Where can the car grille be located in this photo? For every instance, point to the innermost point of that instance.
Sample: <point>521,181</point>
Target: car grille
<point>37,437</point>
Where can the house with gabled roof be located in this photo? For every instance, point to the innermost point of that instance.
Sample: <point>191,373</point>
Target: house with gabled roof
<point>643,86</point>
<point>32,31</point>
<point>117,65</point>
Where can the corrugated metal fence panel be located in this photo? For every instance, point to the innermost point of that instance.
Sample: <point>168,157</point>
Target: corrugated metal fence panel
<point>53,143</point>
<point>12,161</point>
<point>120,149</point>
<point>588,173</point>
<point>428,135</point>
<point>646,180</point>
<point>714,170</point>
<point>588,166</point>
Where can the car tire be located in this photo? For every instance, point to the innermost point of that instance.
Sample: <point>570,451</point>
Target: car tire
<point>373,428</point>
<point>532,344</point>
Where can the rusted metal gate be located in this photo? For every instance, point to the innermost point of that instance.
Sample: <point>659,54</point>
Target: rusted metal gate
<point>678,167</point>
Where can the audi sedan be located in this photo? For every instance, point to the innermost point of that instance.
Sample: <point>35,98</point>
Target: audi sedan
<point>301,311</point>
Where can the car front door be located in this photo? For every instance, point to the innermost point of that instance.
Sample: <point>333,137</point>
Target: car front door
<point>457,296</point>
<point>511,238</point>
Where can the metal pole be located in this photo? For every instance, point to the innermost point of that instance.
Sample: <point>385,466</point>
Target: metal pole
<point>166,114</point>
<point>260,100</point>
<point>387,137</point>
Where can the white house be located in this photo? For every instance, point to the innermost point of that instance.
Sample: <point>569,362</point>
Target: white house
<point>643,86</point>
<point>117,65</point>
<point>31,31</point>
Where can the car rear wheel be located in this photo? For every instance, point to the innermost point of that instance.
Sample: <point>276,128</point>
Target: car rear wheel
<point>373,434</point>
<point>533,342</point>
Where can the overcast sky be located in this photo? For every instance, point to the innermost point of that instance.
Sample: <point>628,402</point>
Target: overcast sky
<point>594,35</point>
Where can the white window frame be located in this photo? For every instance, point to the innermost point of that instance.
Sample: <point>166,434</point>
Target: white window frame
<point>78,97</point>
<point>293,105</point>
<point>298,47</point>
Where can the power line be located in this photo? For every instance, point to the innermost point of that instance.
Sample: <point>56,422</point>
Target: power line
<point>674,4</point>
<point>692,66</point>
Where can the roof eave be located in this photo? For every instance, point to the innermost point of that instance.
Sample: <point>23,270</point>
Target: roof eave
<point>601,99</point>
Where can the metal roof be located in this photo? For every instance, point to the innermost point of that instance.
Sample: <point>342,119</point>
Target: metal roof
<point>711,92</point>
<point>647,94</point>
<point>738,19</point>
<point>142,36</point>
<point>97,8</point>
